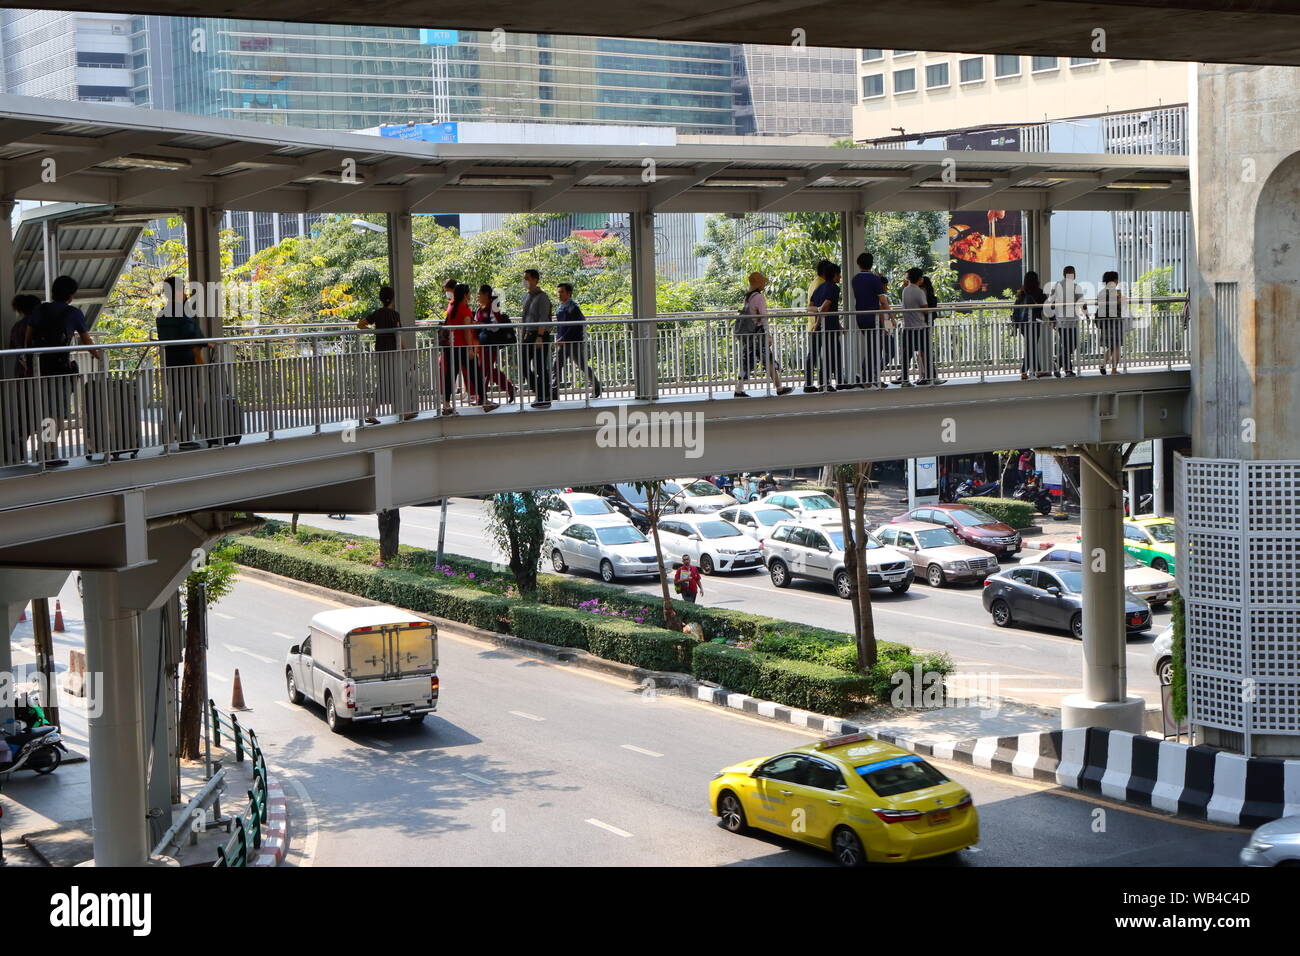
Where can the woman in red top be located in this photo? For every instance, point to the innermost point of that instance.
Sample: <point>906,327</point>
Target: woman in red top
<point>687,580</point>
<point>459,339</point>
<point>491,323</point>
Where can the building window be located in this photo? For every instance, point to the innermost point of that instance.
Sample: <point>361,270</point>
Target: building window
<point>904,81</point>
<point>972,70</point>
<point>873,86</point>
<point>898,53</point>
<point>1044,64</point>
<point>1004,66</point>
<point>870,56</point>
<point>936,76</point>
<point>1083,60</point>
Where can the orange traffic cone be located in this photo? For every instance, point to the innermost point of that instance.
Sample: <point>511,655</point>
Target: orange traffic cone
<point>58,616</point>
<point>237,695</point>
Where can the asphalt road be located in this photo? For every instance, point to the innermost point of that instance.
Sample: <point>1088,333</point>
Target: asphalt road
<point>1038,666</point>
<point>530,762</point>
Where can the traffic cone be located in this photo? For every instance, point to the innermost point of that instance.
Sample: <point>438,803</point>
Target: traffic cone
<point>58,616</point>
<point>237,695</point>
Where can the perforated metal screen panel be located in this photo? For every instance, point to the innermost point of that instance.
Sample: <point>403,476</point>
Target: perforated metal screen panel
<point>1239,572</point>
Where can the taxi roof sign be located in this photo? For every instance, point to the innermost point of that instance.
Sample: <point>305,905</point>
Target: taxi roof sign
<point>843,739</point>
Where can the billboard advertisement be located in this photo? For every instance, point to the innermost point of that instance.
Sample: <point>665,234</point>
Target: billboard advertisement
<point>987,245</point>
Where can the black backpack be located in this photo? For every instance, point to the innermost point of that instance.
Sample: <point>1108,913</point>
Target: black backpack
<point>49,331</point>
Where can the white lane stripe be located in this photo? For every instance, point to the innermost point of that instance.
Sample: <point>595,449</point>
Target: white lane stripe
<point>605,826</point>
<point>477,779</point>
<point>640,750</point>
<point>286,705</point>
<point>287,637</point>
<point>243,650</point>
<point>212,676</point>
<point>520,713</point>
<point>224,617</point>
<point>381,743</point>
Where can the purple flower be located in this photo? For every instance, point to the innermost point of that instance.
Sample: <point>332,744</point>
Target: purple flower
<point>471,575</point>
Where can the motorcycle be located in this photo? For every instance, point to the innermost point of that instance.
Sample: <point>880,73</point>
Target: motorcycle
<point>1037,495</point>
<point>35,747</point>
<point>969,489</point>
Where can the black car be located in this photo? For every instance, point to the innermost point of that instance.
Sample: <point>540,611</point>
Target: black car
<point>621,494</point>
<point>1050,594</point>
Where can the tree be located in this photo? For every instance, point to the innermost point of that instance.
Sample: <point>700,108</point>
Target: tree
<point>390,526</point>
<point>517,525</point>
<point>855,559</point>
<point>655,498</point>
<point>203,588</point>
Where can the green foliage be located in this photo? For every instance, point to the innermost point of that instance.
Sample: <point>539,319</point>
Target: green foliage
<point>516,523</point>
<point>1178,692</point>
<point>1018,514</point>
<point>814,687</point>
<point>217,575</point>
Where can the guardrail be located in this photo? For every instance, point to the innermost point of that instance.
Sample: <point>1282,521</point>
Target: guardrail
<point>124,398</point>
<point>195,815</point>
<point>250,821</point>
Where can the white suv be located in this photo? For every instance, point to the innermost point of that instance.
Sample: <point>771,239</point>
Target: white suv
<point>809,506</point>
<point>799,550</point>
<point>712,543</point>
<point>562,509</point>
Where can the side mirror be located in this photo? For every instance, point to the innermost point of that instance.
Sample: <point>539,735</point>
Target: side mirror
<point>1054,591</point>
<point>824,547</point>
<point>296,649</point>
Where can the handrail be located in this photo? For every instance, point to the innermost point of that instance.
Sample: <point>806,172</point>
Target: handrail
<point>251,820</point>
<point>210,793</point>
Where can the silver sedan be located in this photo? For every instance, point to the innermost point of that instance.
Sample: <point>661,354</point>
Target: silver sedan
<point>1274,844</point>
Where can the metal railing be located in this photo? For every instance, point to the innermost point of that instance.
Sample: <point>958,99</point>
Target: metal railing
<point>249,822</point>
<point>125,398</point>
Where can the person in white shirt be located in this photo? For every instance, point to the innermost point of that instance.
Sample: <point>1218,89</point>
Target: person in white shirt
<point>754,338</point>
<point>915,321</point>
<point>1064,307</point>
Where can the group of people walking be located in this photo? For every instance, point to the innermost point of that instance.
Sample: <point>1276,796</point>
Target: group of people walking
<point>1049,322</point>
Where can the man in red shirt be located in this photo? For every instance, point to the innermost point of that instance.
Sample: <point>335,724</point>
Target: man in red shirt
<point>687,580</point>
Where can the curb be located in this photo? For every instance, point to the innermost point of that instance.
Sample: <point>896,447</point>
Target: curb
<point>275,835</point>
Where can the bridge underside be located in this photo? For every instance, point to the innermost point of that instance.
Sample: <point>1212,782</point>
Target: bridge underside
<point>78,518</point>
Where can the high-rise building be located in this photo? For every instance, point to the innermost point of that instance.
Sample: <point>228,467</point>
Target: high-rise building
<point>67,56</point>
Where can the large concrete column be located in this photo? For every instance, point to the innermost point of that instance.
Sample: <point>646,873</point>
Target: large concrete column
<point>117,751</point>
<point>1104,701</point>
<point>401,265</point>
<point>203,248</point>
<point>1040,239</point>
<point>1158,477</point>
<point>644,303</point>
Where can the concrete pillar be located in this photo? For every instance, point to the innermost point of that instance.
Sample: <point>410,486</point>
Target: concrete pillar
<point>203,248</point>
<point>644,303</point>
<point>11,612</point>
<point>401,265</point>
<point>1104,701</point>
<point>49,255</point>
<point>852,242</point>
<point>8,288</point>
<point>1131,475</point>
<point>1158,477</point>
<point>1040,238</point>
<point>117,752</point>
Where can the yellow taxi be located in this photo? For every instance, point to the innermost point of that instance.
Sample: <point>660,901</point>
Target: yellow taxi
<point>860,798</point>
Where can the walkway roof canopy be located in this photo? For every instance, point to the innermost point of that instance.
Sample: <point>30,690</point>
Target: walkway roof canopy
<point>1219,31</point>
<point>147,158</point>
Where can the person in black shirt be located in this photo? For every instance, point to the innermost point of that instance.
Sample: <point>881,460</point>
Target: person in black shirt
<point>388,358</point>
<point>182,378</point>
<point>824,332</point>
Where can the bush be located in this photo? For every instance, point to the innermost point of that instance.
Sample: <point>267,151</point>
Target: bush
<point>1018,514</point>
<point>799,684</point>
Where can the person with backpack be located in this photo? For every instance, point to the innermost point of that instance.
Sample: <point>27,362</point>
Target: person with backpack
<point>494,331</point>
<point>754,337</point>
<point>389,366</point>
<point>571,340</point>
<point>182,381</point>
<point>1112,323</point>
<point>1027,319</point>
<point>57,324</point>
<point>687,581</point>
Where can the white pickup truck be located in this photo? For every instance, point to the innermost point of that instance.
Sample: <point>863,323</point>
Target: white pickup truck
<point>366,664</point>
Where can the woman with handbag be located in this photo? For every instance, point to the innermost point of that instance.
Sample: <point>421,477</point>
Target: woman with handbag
<point>754,338</point>
<point>494,331</point>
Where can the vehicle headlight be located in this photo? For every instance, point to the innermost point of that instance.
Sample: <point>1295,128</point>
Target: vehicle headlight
<point>627,559</point>
<point>718,775</point>
<point>1260,845</point>
<point>727,550</point>
<point>957,566</point>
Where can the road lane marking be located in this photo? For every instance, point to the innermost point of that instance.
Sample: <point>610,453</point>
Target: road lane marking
<point>287,637</point>
<point>243,650</point>
<point>520,713</point>
<point>286,705</point>
<point>224,617</point>
<point>477,779</point>
<point>327,602</point>
<point>640,750</point>
<point>381,743</point>
<point>212,676</point>
<point>605,826</point>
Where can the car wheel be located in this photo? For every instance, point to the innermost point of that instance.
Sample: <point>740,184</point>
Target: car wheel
<point>295,695</point>
<point>843,584</point>
<point>607,572</point>
<point>1001,611</point>
<point>332,719</point>
<point>706,564</point>
<point>1160,564</point>
<point>1165,670</point>
<point>934,574</point>
<point>1076,624</point>
<point>901,587</point>
<point>848,848</point>
<point>731,815</point>
<point>779,574</point>
<point>557,562</point>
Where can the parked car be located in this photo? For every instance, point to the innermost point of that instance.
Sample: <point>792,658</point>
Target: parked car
<point>562,509</point>
<point>697,496</point>
<point>812,506</point>
<point>1156,587</point>
<point>630,501</point>
<point>612,550</point>
<point>1051,595</point>
<point>712,543</point>
<point>756,521</point>
<point>1274,844</point>
<point>1151,541</point>
<point>366,664</point>
<point>937,554</point>
<point>1162,655</point>
<point>816,552</point>
<point>977,528</point>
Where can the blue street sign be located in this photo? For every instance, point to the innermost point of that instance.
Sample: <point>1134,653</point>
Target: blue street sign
<point>431,37</point>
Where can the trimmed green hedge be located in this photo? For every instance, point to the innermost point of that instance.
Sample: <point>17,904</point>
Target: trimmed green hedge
<point>612,638</point>
<point>815,687</point>
<point>1018,514</point>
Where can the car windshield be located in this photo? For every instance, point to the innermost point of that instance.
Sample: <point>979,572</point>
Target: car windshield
<point>969,517</point>
<point>591,506</point>
<point>702,489</point>
<point>889,778</point>
<point>717,529</point>
<point>622,534</point>
<point>816,502</point>
<point>629,493</point>
<point>936,538</point>
<point>1164,533</point>
<point>770,516</point>
<point>1072,580</point>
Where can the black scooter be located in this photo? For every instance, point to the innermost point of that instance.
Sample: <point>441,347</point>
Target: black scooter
<point>1037,495</point>
<point>969,489</point>
<point>40,750</point>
